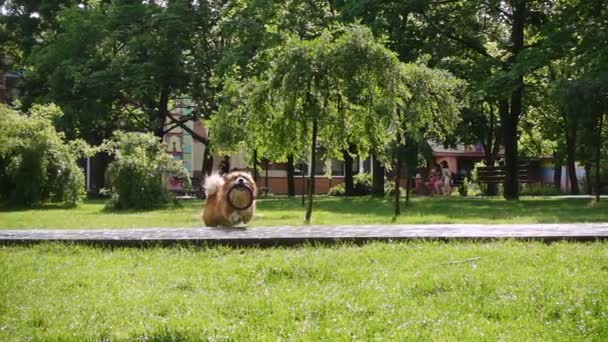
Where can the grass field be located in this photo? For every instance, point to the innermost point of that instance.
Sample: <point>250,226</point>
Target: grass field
<point>327,210</point>
<point>511,291</point>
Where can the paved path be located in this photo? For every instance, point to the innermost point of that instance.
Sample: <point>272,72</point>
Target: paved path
<point>296,235</point>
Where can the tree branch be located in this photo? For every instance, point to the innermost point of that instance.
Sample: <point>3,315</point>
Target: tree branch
<point>467,44</point>
<point>195,135</point>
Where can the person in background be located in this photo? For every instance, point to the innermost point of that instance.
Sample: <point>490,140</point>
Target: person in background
<point>446,179</point>
<point>433,183</point>
<point>419,183</point>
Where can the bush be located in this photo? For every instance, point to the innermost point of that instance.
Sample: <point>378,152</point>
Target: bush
<point>136,174</point>
<point>389,189</point>
<point>362,183</point>
<point>37,165</point>
<point>463,189</point>
<point>337,190</point>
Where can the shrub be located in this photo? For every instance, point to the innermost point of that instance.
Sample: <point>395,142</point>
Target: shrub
<point>136,174</point>
<point>362,183</point>
<point>337,190</point>
<point>463,189</point>
<point>389,189</point>
<point>36,163</point>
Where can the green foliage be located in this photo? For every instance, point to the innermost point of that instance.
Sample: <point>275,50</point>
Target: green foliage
<point>138,170</point>
<point>463,189</point>
<point>337,190</point>
<point>389,189</point>
<point>539,190</point>
<point>36,164</point>
<point>312,80</point>
<point>362,183</point>
<point>428,103</point>
<point>126,65</point>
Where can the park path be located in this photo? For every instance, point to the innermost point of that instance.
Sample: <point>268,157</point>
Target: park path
<point>291,235</point>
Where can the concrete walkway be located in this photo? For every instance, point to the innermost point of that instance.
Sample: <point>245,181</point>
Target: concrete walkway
<point>291,235</point>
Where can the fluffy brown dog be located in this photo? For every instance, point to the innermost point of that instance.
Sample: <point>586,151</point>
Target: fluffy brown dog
<point>230,199</point>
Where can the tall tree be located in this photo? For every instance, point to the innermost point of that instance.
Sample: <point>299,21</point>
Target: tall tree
<point>313,94</point>
<point>428,108</point>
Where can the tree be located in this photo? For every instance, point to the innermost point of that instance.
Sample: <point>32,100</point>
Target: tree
<point>428,108</point>
<point>137,64</point>
<point>23,23</point>
<point>510,37</point>
<point>312,93</point>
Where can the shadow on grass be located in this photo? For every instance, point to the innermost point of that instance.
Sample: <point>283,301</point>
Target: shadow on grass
<point>538,209</point>
<point>103,204</point>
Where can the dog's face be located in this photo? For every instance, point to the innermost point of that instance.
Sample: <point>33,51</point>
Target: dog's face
<point>243,187</point>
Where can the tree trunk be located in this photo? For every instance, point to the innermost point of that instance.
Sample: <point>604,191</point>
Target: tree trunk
<point>408,185</point>
<point>313,156</point>
<point>266,166</point>
<point>225,165</point>
<point>571,158</point>
<point>411,164</point>
<point>588,181</point>
<point>557,170</point>
<point>378,179</point>
<point>349,188</point>
<point>302,167</point>
<point>291,183</point>
<point>491,188</point>
<point>598,153</point>
<point>511,186</point>
<point>397,193</point>
<point>99,165</point>
<point>255,166</point>
<point>207,167</point>
<point>163,112</point>
<point>492,148</point>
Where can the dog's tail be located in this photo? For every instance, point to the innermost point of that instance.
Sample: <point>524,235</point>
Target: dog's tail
<point>213,183</point>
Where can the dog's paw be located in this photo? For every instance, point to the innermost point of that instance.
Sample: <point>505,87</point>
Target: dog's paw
<point>235,218</point>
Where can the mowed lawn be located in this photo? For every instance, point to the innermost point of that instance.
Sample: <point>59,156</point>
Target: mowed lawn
<point>514,291</point>
<point>327,211</point>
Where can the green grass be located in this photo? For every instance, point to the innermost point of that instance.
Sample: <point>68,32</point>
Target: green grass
<point>327,210</point>
<point>515,291</point>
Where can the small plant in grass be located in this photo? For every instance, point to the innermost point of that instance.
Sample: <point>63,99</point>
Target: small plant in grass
<point>37,164</point>
<point>137,172</point>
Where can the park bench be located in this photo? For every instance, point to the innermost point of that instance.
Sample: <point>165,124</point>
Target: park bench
<point>196,191</point>
<point>496,174</point>
<point>457,180</point>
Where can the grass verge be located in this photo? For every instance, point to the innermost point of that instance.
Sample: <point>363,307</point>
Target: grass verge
<point>327,211</point>
<point>508,291</point>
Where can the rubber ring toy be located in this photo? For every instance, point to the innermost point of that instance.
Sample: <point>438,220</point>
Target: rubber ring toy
<point>248,204</point>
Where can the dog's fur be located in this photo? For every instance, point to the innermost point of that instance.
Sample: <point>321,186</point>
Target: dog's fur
<point>218,211</point>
